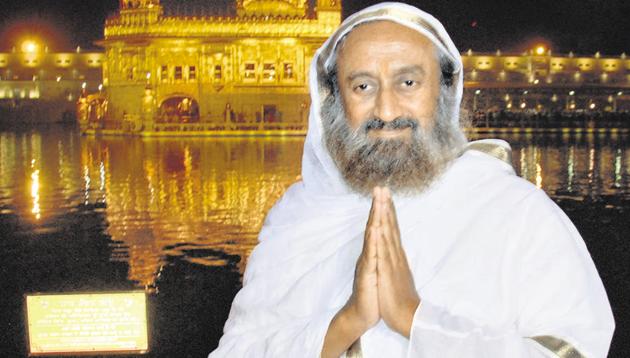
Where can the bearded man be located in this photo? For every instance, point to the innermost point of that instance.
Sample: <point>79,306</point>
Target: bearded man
<point>402,240</point>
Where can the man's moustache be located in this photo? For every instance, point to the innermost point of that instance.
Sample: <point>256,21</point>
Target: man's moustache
<point>397,123</point>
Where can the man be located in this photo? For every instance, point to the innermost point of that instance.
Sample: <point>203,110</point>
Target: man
<point>401,240</point>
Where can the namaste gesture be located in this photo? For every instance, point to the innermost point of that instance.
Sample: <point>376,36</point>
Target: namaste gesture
<point>383,283</point>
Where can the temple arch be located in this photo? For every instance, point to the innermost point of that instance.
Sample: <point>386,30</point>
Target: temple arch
<point>178,108</point>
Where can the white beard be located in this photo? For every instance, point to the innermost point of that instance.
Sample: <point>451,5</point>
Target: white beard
<point>405,166</point>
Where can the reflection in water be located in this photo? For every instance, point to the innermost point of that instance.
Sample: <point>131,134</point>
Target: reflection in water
<point>618,168</point>
<point>164,197</point>
<point>570,169</point>
<point>192,198</point>
<point>170,196</point>
<point>578,167</point>
<point>182,215</point>
<point>35,193</point>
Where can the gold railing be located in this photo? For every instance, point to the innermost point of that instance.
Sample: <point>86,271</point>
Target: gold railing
<point>133,123</point>
<point>205,127</point>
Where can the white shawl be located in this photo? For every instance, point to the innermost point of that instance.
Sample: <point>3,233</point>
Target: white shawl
<point>301,272</point>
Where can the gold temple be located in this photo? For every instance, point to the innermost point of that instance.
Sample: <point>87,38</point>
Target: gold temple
<point>190,74</point>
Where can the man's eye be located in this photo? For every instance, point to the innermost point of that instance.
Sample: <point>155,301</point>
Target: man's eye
<point>409,83</point>
<point>362,87</point>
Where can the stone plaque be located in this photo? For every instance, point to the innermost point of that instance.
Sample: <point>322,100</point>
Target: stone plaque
<point>87,323</point>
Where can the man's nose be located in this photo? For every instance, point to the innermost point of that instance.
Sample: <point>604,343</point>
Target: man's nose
<point>387,107</point>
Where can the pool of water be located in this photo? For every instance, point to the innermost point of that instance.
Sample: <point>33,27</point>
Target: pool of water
<point>178,217</point>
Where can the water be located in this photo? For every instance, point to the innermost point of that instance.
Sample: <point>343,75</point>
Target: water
<point>180,216</point>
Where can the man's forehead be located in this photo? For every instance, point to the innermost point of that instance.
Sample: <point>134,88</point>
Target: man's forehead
<point>377,35</point>
<point>405,49</point>
<point>378,28</point>
<point>409,17</point>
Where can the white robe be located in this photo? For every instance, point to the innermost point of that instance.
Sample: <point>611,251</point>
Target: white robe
<point>494,260</point>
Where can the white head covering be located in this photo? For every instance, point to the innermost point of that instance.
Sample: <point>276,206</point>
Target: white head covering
<point>319,171</point>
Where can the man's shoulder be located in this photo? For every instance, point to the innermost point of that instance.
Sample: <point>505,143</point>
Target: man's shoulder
<point>495,188</point>
<point>482,183</point>
<point>484,174</point>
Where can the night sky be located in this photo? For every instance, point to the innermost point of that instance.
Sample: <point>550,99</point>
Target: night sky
<point>583,27</point>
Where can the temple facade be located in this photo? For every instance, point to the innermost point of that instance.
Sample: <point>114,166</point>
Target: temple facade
<point>248,71</point>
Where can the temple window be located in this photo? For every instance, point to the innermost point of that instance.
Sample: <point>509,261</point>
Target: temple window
<point>178,73</point>
<point>192,73</point>
<point>217,72</point>
<point>250,70</point>
<point>288,70</point>
<point>269,71</point>
<point>164,73</point>
<point>130,71</point>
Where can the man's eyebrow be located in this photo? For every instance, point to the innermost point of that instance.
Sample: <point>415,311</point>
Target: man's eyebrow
<point>415,69</point>
<point>353,76</point>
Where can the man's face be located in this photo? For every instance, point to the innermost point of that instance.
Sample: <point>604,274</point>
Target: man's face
<point>388,71</point>
<point>387,119</point>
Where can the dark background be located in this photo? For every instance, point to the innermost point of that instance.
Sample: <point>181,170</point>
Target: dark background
<point>583,27</point>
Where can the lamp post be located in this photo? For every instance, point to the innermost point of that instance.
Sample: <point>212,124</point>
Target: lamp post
<point>477,92</point>
<point>570,103</point>
<point>619,94</point>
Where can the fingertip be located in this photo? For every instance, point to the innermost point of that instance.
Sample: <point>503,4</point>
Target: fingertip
<point>381,194</point>
<point>389,195</point>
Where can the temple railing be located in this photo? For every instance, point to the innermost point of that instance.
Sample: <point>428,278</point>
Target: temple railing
<point>207,127</point>
<point>134,123</point>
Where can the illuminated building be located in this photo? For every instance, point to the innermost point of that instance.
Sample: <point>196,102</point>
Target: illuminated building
<point>36,82</point>
<point>248,71</point>
<point>541,81</point>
